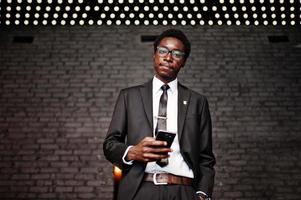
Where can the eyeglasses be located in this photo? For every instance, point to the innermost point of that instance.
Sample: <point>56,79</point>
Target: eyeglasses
<point>176,54</point>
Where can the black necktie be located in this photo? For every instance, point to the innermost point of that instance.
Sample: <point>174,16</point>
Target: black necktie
<point>162,117</point>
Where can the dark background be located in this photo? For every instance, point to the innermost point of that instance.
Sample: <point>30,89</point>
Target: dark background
<point>57,95</point>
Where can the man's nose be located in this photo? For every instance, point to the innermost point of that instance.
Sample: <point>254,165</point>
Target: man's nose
<point>168,57</point>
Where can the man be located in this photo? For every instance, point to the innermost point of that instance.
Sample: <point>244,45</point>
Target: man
<point>151,170</point>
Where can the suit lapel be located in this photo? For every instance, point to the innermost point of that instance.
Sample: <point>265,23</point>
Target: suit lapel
<point>183,102</point>
<point>147,98</point>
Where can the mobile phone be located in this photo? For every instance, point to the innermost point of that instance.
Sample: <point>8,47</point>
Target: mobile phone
<point>166,136</point>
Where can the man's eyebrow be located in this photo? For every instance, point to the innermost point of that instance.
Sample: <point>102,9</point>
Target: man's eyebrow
<point>171,49</point>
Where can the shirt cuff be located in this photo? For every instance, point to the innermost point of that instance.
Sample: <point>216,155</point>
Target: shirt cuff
<point>201,192</point>
<point>124,155</point>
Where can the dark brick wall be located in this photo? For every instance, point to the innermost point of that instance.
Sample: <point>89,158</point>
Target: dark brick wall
<point>57,95</point>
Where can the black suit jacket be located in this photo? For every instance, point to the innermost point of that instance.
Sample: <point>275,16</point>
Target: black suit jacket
<point>132,120</point>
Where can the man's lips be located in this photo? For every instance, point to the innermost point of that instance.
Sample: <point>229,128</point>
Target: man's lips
<point>166,67</point>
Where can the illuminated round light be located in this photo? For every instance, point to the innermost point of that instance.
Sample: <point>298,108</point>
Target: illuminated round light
<point>264,15</point>
<point>87,8</point>
<point>110,1</point>
<point>46,15</point>
<point>7,15</point>
<point>136,8</point>
<point>141,1</point>
<point>180,16</point>
<point>202,1</point>
<point>283,22</point>
<point>155,8</point>
<point>245,15</point>
<point>146,8</point>
<point>122,15</point>
<point>265,22</point>
<point>81,22</point>
<point>141,15</point>
<point>293,23</point>
<point>72,22</point>
<point>224,8</point>
<point>9,1</point>
<point>55,15</point>
<point>77,8</point>
<point>195,9</point>
<point>199,16</point>
<point>202,22</point>
<point>255,15</point>
<point>151,1</point>
<point>118,22</point>
<point>175,8</point>
<point>210,22</point>
<point>67,8</point>
<point>35,22</point>
<point>27,15</point>
<point>214,8</point>
<point>132,15</point>
<point>222,1</point>
<point>38,8</point>
<point>65,15</point>
<point>185,8</point>
<point>229,22</point>
<point>63,22</point>
<point>112,15</point>
<point>247,22</point>
<point>251,1</point>
<point>183,22</point>
<point>237,23</point>
<point>205,8</point>
<point>282,15</point>
<point>44,22</point>
<point>127,22</point>
<point>39,1</point>
<point>253,8</point>
<point>57,8</point>
<point>99,22</point>
<point>155,22</point>
<point>28,8</point>
<point>160,15</point>
<point>103,15</point>
<point>7,22</point>
<point>174,22</point>
<point>263,8</point>
<point>151,15</point>
<point>29,1</point>
<point>171,1</point>
<point>26,22</point>
<point>220,22</point>
<point>232,1</point>
<point>8,8</point>
<point>192,22</point>
<point>80,1</point>
<point>217,15</point>
<point>100,1</point>
<point>116,8</point>
<point>90,22</point>
<point>256,23</point>
<point>274,23</point>
<point>60,1</point>
<point>48,8</point>
<point>271,1</point>
<point>292,15</point>
<point>189,16</point>
<point>273,15</point>
<point>126,8</point>
<point>120,1</point>
<point>236,15</point>
<point>281,1</point>
<point>242,1</point>
<point>282,8</point>
<point>164,22</point>
<point>74,15</point>
<point>291,1</point>
<point>146,22</point>
<point>70,1</point>
<point>182,1</point>
<point>96,8</point>
<point>106,8</point>
<point>131,1</point>
<point>292,8</point>
<point>261,1</point>
<point>227,16</point>
<point>18,8</point>
<point>53,22</point>
<point>36,15</point>
<point>234,8</point>
<point>170,16</point>
<point>244,8</point>
<point>84,15</point>
<point>192,1</point>
<point>165,8</point>
<point>272,8</point>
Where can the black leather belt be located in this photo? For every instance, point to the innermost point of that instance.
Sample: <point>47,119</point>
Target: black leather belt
<point>167,179</point>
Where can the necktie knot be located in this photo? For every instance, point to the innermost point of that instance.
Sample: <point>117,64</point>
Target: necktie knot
<point>165,87</point>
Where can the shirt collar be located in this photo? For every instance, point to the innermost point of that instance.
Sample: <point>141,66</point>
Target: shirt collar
<point>157,84</point>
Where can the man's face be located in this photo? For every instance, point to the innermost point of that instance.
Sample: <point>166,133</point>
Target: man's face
<point>167,66</point>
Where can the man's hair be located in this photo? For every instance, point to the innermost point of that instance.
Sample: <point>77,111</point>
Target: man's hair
<point>175,33</point>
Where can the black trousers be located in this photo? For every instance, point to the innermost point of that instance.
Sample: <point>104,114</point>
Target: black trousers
<point>150,191</point>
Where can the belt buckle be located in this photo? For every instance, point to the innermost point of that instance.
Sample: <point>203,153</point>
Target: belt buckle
<point>155,180</point>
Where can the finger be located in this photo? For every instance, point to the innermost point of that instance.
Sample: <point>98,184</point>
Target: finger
<point>152,156</point>
<point>159,150</point>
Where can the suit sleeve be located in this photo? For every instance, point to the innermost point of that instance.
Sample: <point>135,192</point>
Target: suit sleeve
<point>114,144</point>
<point>206,156</point>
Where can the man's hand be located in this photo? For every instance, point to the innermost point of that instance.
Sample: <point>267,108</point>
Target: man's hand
<point>147,150</point>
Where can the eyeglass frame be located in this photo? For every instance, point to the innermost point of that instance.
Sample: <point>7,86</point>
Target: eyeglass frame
<point>171,52</point>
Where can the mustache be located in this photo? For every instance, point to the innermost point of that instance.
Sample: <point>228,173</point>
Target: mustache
<point>168,66</point>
